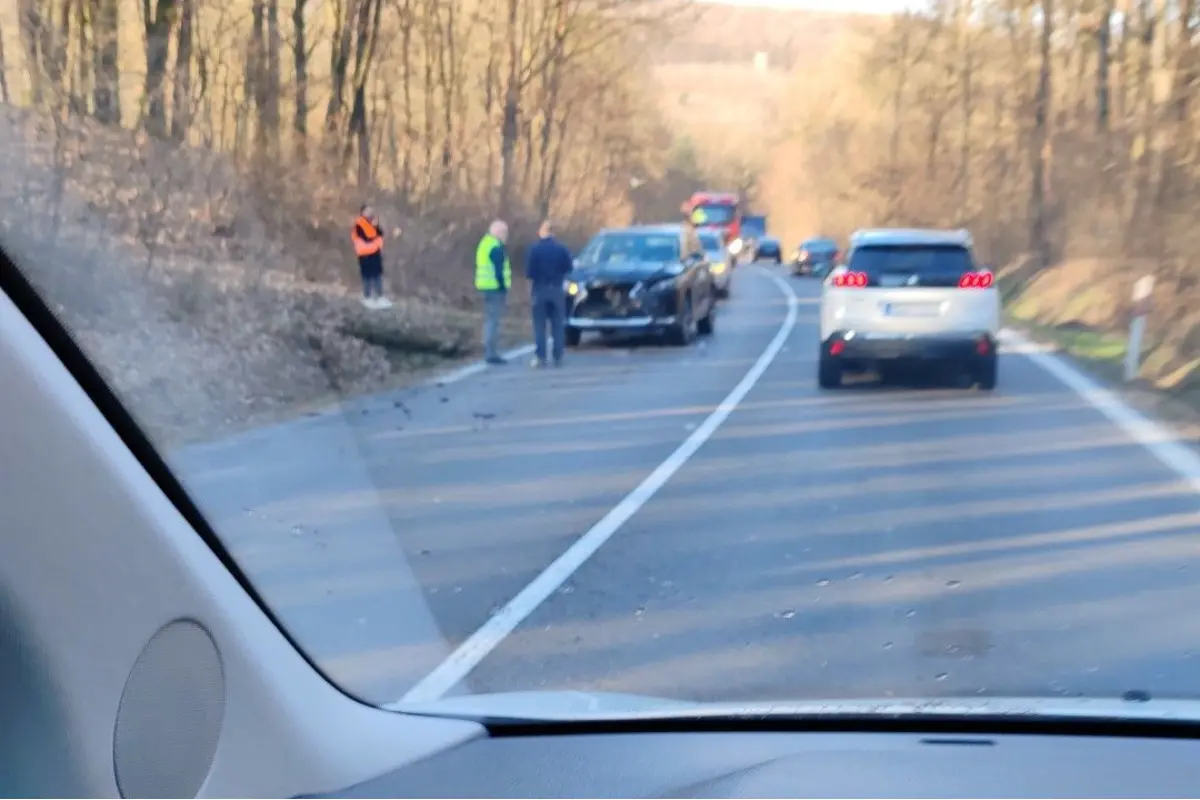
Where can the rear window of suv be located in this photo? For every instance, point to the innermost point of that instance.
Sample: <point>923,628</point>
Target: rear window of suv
<point>899,265</point>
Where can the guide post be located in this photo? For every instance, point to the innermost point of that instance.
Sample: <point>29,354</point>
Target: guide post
<point>1142,292</point>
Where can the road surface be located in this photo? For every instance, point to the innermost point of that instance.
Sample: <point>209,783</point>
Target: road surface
<point>867,542</point>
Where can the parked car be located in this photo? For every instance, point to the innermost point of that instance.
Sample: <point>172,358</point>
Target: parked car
<point>653,279</point>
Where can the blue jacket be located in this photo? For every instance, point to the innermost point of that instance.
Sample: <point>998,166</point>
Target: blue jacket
<point>548,264</point>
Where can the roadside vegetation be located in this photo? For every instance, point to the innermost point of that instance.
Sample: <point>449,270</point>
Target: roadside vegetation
<point>1063,134</point>
<point>179,177</point>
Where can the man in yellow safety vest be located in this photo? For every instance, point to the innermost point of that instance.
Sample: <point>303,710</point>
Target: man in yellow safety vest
<point>493,278</point>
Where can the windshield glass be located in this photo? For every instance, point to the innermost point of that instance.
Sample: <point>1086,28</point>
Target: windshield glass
<point>635,247</point>
<point>713,214</point>
<point>400,303</point>
<point>819,247</point>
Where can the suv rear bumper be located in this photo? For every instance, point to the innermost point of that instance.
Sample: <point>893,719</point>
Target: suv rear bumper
<point>858,348</point>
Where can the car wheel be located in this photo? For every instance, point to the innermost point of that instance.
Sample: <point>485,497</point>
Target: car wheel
<point>685,328</point>
<point>573,337</point>
<point>705,326</point>
<point>986,371</point>
<point>829,373</point>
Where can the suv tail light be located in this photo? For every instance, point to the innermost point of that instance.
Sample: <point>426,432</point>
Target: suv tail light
<point>976,280</point>
<point>849,279</point>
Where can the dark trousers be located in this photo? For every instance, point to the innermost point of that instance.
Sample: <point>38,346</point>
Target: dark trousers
<point>549,312</point>
<point>371,269</point>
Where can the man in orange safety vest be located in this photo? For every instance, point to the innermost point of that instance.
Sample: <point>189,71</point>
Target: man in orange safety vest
<point>368,246</point>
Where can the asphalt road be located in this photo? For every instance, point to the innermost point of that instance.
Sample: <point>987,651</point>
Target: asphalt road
<point>873,541</point>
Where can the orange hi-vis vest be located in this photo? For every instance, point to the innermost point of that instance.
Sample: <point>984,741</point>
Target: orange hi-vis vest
<point>367,240</point>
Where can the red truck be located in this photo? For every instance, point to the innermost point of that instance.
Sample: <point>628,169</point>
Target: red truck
<point>725,212</point>
<point>719,210</point>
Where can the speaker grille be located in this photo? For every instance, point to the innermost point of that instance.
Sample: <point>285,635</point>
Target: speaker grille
<point>170,716</point>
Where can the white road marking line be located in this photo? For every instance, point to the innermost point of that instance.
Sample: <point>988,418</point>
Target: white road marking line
<point>471,652</point>
<point>1156,438</point>
<point>476,367</point>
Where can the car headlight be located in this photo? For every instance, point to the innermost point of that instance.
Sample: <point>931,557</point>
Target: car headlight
<point>574,289</point>
<point>718,267</point>
<point>735,246</point>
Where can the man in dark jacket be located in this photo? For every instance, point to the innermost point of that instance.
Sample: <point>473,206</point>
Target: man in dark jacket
<point>547,266</point>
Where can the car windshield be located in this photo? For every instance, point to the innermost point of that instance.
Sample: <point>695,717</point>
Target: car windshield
<point>713,214</point>
<point>395,289</point>
<point>819,246</point>
<point>632,247</point>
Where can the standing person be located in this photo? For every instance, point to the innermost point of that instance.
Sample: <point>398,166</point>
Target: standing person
<point>493,277</point>
<point>368,246</point>
<point>547,267</point>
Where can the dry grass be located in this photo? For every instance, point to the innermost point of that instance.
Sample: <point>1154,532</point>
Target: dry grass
<point>1084,305</point>
<point>192,298</point>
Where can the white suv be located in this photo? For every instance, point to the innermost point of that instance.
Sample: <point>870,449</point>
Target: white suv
<point>909,295</point>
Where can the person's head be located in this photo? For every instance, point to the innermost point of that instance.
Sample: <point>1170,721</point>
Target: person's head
<point>366,211</point>
<point>546,230</point>
<point>499,229</point>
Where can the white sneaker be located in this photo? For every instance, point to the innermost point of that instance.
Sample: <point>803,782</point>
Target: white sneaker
<point>368,302</point>
<point>383,302</point>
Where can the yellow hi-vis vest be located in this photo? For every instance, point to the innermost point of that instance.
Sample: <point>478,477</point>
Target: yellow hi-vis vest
<point>485,272</point>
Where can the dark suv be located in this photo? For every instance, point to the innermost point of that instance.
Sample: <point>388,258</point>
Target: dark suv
<point>814,257</point>
<point>768,248</point>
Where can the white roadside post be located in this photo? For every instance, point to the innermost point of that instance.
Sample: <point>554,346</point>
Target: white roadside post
<point>1142,291</point>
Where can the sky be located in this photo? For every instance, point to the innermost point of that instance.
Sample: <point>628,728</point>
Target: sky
<point>869,6</point>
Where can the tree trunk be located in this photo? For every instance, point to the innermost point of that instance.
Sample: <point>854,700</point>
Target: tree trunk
<point>182,104</point>
<point>300,66</point>
<point>158,16</point>
<point>106,69</point>
<point>1040,141</point>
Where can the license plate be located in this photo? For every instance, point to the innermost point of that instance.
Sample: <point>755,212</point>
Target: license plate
<point>910,309</point>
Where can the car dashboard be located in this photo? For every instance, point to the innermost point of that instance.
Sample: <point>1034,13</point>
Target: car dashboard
<point>526,761</point>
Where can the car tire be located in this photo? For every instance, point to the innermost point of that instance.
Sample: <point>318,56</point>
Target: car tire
<point>707,326</point>
<point>684,332</point>
<point>573,337</point>
<point>829,373</point>
<point>986,372</point>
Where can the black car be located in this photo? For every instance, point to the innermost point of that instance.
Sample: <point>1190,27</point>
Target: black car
<point>815,257</point>
<point>768,248</point>
<point>652,279</point>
